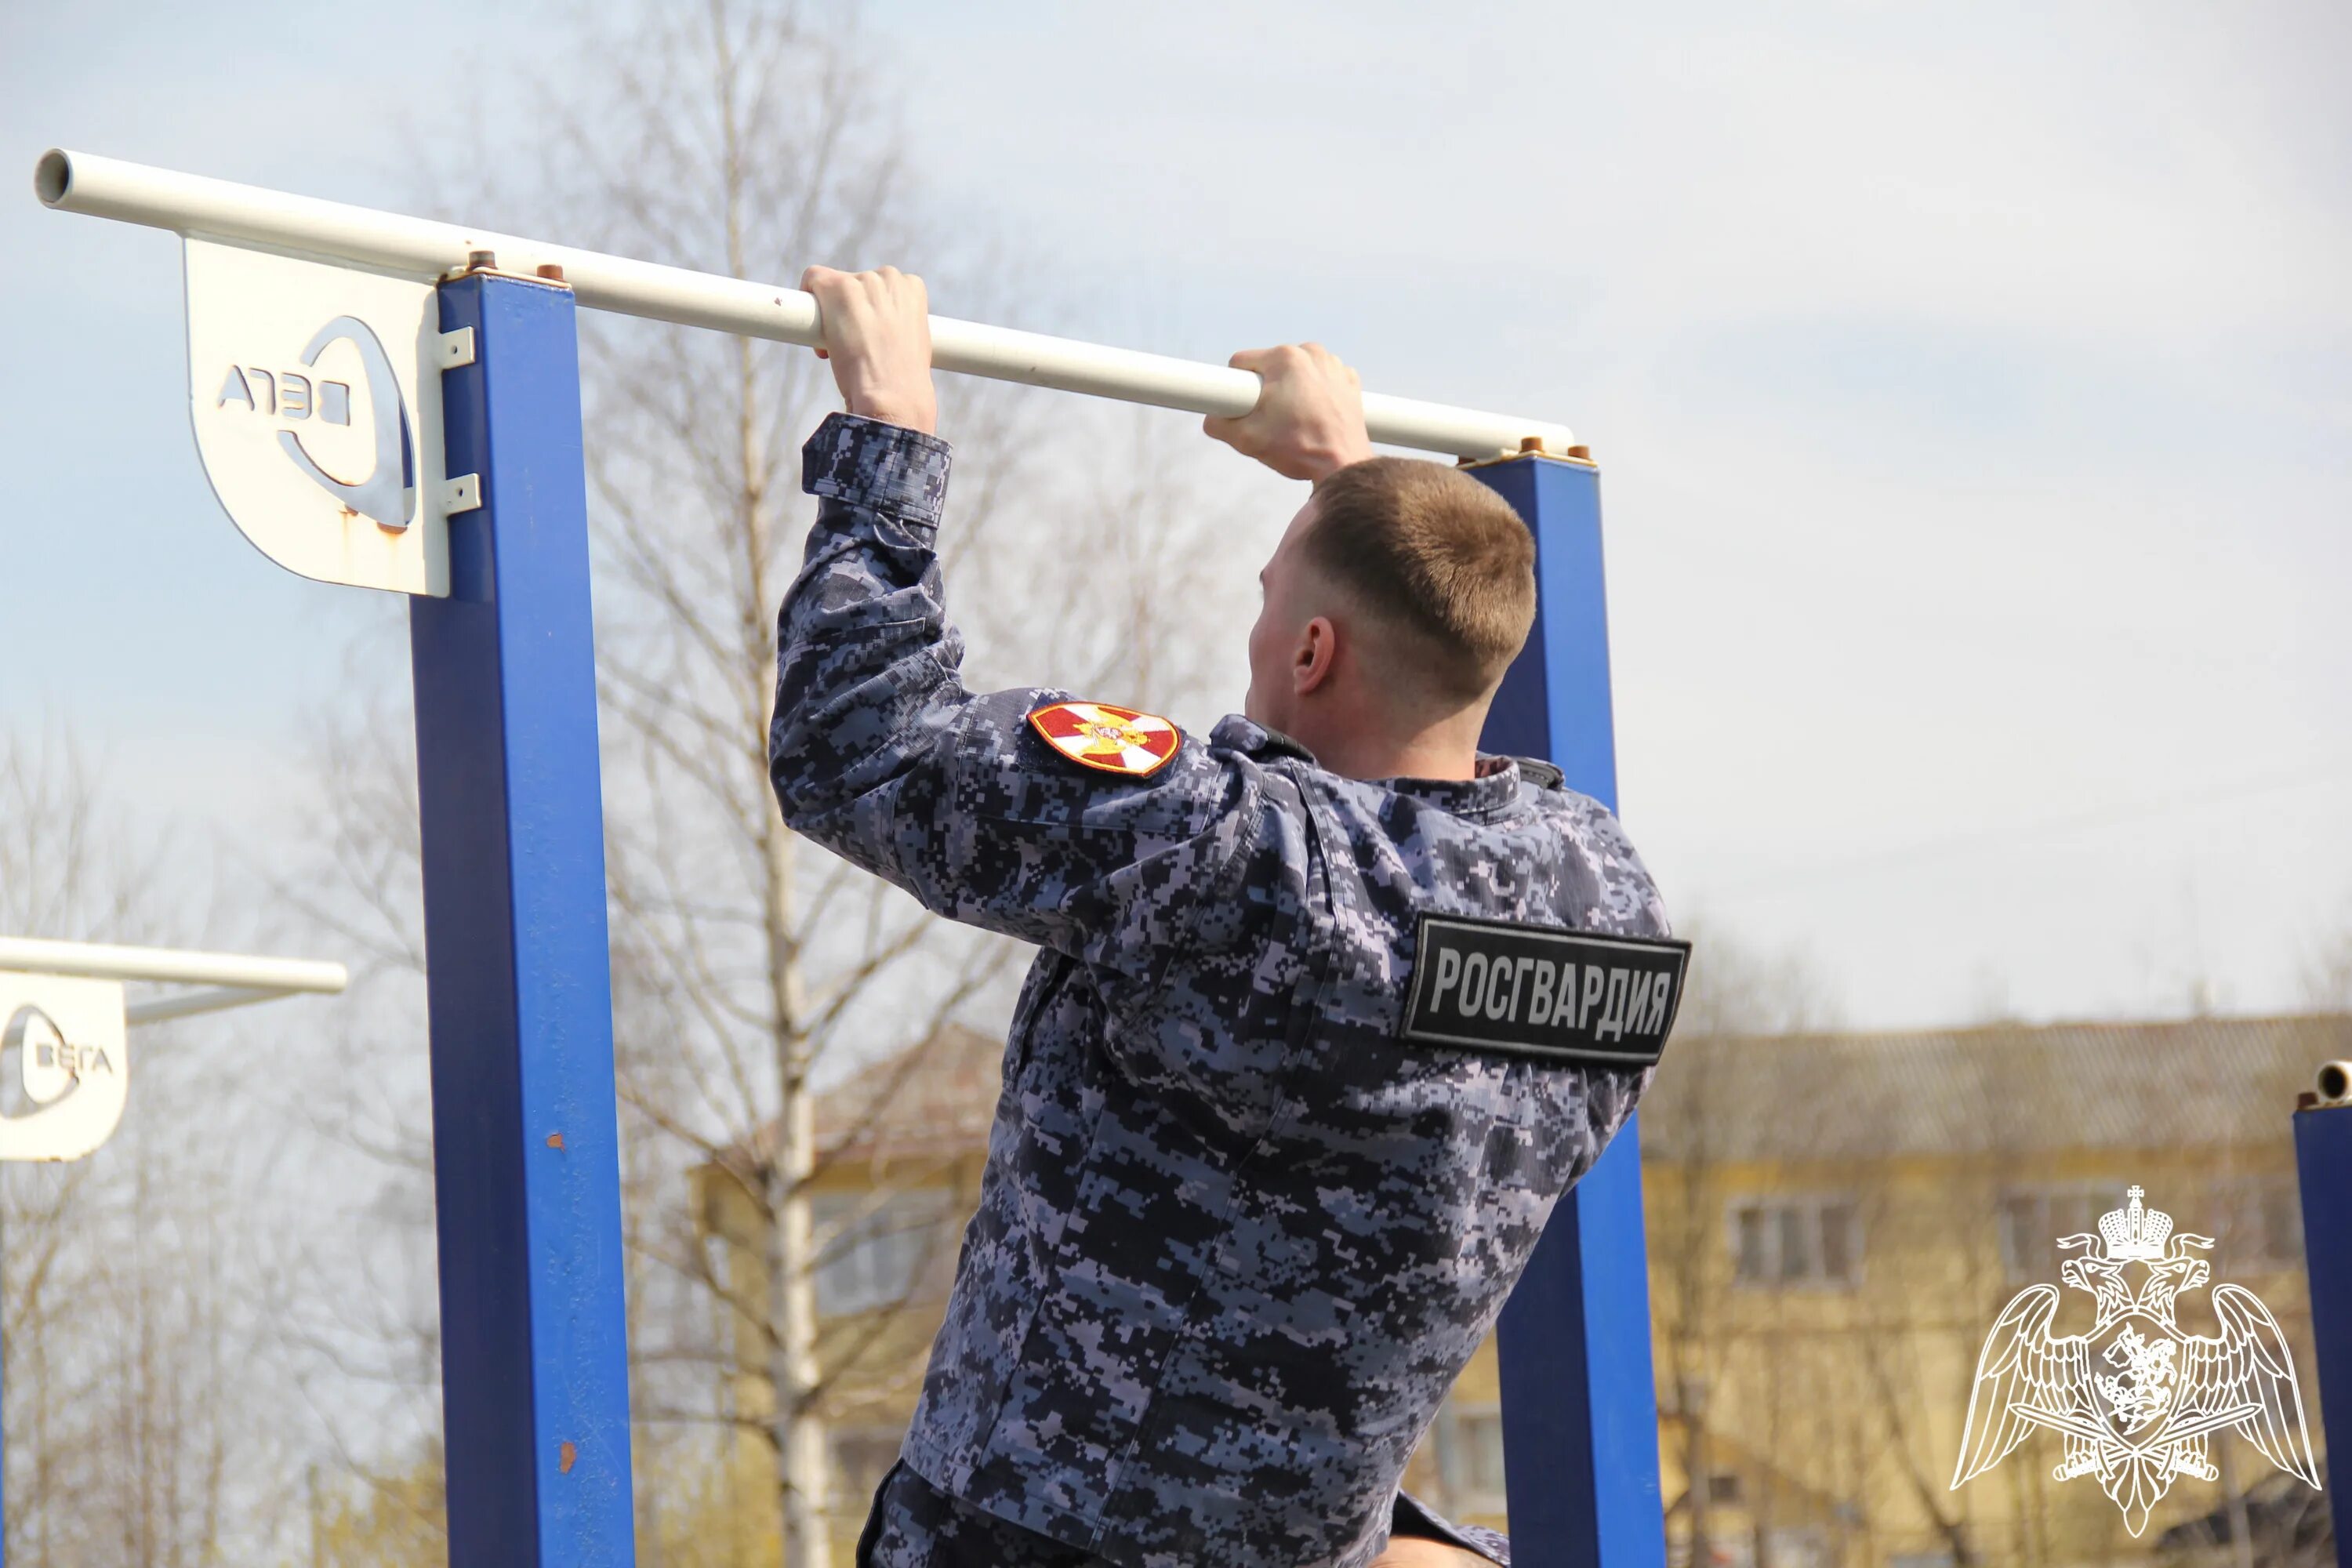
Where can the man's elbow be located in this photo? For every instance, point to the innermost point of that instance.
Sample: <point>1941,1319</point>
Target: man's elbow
<point>801,794</point>
<point>796,785</point>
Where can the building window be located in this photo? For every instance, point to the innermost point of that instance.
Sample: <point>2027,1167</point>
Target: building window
<point>874,1254</point>
<point>1754,1258</point>
<point>2255,1222</point>
<point>1839,1225</point>
<point>1469,1443</point>
<point>1482,1453</point>
<point>2032,1221</point>
<point>1796,1241</point>
<point>862,1455</point>
<point>1798,1548</point>
<point>1723,1487</point>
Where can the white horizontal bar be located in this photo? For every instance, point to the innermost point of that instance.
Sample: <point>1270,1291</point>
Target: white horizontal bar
<point>189,1003</point>
<point>97,960</point>
<point>419,247</point>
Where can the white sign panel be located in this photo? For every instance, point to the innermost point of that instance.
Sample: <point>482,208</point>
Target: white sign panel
<point>67,1035</point>
<point>316,394</point>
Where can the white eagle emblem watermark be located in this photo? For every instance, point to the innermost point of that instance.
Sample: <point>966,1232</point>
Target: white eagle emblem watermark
<point>2136,1400</point>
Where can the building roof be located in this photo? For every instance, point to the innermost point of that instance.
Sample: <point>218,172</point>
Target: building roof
<point>1997,1091</point>
<point>936,1097</point>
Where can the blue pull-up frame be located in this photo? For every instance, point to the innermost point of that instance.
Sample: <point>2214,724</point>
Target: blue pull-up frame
<point>526,1164</point>
<point>535,1368</point>
<point>2323,1152</point>
<point>1580,1408</point>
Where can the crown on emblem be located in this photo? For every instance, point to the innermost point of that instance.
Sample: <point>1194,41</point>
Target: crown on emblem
<point>2136,1235</point>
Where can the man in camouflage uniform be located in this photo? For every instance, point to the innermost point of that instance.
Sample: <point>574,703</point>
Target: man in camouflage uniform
<point>1243,1218</point>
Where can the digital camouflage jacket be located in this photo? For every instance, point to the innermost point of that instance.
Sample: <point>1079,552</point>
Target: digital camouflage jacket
<point>1236,1237</point>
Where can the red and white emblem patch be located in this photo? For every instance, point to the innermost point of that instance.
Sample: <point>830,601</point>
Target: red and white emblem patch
<point>1112,740</point>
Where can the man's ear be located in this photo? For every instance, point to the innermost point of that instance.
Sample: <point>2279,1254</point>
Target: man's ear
<point>1311,661</point>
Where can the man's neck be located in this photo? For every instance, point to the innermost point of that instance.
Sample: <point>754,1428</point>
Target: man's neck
<point>1448,750</point>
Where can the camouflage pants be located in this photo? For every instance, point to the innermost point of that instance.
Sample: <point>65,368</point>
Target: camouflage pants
<point>915,1525</point>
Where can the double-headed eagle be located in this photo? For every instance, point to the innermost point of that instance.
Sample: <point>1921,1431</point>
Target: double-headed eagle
<point>2135,1399</point>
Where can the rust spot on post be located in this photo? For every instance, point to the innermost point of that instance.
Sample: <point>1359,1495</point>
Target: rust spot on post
<point>555,1140</point>
<point>565,1456</point>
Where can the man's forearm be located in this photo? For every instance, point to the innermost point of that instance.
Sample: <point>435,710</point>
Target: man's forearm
<point>864,652</point>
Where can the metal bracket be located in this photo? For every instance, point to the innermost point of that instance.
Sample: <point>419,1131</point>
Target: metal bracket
<point>459,493</point>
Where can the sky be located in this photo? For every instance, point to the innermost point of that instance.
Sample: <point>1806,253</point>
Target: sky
<point>1973,394</point>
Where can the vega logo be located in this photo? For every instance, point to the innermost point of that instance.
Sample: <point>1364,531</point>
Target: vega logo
<point>315,392</point>
<point>72,1067</point>
<point>388,492</point>
<point>50,1066</point>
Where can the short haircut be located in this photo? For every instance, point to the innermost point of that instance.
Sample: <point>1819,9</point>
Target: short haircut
<point>1434,554</point>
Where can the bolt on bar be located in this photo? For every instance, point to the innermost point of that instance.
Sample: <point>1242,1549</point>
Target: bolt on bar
<point>386,242</point>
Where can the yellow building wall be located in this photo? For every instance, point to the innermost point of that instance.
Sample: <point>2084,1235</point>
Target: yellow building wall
<point>1843,1408</point>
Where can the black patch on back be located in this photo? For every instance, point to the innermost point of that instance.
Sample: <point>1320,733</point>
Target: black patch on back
<point>1539,991</point>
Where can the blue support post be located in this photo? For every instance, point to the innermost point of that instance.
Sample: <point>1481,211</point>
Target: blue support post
<point>2323,1152</point>
<point>526,1163</point>
<point>1580,1410</point>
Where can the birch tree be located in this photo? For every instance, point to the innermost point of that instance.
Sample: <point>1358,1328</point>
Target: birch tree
<point>751,140</point>
<point>138,1396</point>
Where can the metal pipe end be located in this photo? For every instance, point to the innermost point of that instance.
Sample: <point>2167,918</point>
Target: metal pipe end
<point>53,177</point>
<point>2335,1083</point>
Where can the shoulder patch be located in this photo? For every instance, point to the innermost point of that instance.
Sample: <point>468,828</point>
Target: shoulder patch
<point>1107,739</point>
<point>1539,991</point>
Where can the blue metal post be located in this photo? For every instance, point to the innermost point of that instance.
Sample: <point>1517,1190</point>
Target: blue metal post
<point>526,1163</point>
<point>2323,1150</point>
<point>1580,1410</point>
